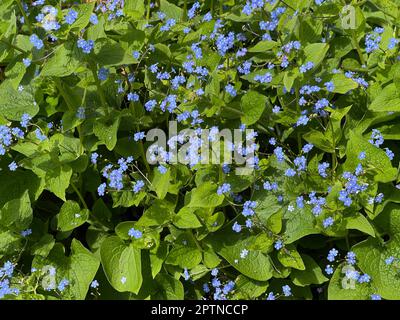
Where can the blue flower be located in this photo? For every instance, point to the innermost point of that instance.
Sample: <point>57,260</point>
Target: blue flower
<point>139,136</point>
<point>329,86</point>
<point>306,66</point>
<point>302,120</point>
<point>278,244</point>
<point>376,297</point>
<point>307,148</point>
<point>186,274</point>
<point>133,233</point>
<point>12,166</point>
<point>36,41</point>
<point>287,291</point>
<point>103,74</point>
<point>389,260</point>
<point>322,167</point>
<point>94,284</point>
<point>236,227</point>
<point>351,258</point>
<point>93,157</point>
<point>332,255</point>
<point>25,233</point>
<point>372,40</point>
<point>266,78</point>
<point>228,287</point>
<point>40,135</point>
<point>27,62</point>
<point>271,296</point>
<point>393,43</point>
<point>162,169</point>
<point>132,96</point>
<point>276,109</point>
<point>231,90</point>
<point>389,153</point>
<point>225,42</point>
<point>225,188</point>
<point>280,156</point>
<point>376,138</point>
<point>168,25</point>
<point>101,189</point>
<point>25,118</point>
<point>328,222</point>
<point>365,278</point>
<point>93,19</point>
<point>149,105</point>
<point>329,269</point>
<point>71,16</point>
<point>63,283</point>
<point>136,54</point>
<point>290,172</point>
<point>86,46</point>
<point>138,186</point>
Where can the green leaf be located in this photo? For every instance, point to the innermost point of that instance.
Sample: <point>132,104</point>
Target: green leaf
<point>161,182</point>
<point>315,53</point>
<point>341,288</point>
<point>388,99</point>
<point>311,275</point>
<point>267,205</point>
<point>263,46</point>
<point>71,216</point>
<point>84,12</point>
<point>186,218</point>
<point>256,265</point>
<point>14,103</point>
<point>157,214</point>
<point>134,8</point>
<point>121,264</point>
<point>298,224</point>
<point>253,105</point>
<point>127,199</point>
<point>64,62</point>
<point>43,246</point>
<point>171,10</point>
<point>79,268</point>
<point>289,257</point>
<point>371,254</point>
<point>342,84</point>
<point>57,180</point>
<point>247,289</point>
<point>106,130</point>
<point>185,253</point>
<point>205,196</point>
<point>110,53</point>
<point>168,288</point>
<point>17,212</point>
<point>318,139</point>
<point>376,158</point>
<point>358,222</point>
<point>17,183</point>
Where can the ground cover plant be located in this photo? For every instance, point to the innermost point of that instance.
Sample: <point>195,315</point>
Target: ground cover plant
<point>93,206</point>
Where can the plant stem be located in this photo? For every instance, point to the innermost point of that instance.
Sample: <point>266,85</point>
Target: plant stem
<point>184,13</point>
<point>143,154</point>
<point>148,11</point>
<point>99,88</point>
<point>357,45</point>
<point>79,195</point>
<point>19,4</point>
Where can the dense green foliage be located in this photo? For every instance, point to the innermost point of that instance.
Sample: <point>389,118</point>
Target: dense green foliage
<point>84,214</point>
